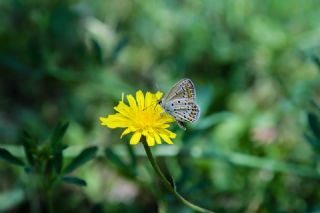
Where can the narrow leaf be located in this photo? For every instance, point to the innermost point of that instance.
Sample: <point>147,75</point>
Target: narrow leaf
<point>7,156</point>
<point>86,155</point>
<point>27,142</point>
<point>58,133</point>
<point>59,148</point>
<point>74,180</point>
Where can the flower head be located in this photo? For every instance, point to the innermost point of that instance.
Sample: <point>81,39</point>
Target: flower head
<point>143,117</point>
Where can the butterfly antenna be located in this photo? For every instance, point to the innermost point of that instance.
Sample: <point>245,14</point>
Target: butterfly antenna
<point>151,106</point>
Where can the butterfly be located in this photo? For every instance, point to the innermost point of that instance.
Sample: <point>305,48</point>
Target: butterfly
<point>179,102</point>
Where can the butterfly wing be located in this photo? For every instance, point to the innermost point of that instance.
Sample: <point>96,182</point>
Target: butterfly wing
<point>182,89</point>
<point>183,109</point>
<point>179,102</point>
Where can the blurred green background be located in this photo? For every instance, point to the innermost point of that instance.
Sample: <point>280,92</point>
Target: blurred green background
<point>252,64</point>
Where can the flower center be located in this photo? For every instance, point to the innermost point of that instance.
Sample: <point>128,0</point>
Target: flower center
<point>145,118</point>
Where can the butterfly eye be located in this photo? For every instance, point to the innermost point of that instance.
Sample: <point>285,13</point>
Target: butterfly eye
<point>160,102</point>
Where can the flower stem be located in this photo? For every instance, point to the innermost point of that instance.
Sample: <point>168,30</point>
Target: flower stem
<point>167,184</point>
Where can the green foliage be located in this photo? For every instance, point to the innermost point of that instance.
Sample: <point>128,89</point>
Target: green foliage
<point>28,144</point>
<point>74,180</point>
<point>85,156</point>
<point>7,156</point>
<point>45,161</point>
<point>57,136</point>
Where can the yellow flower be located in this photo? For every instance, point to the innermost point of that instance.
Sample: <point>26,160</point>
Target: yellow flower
<point>143,117</point>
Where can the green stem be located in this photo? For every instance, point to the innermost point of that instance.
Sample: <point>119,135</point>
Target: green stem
<point>167,184</point>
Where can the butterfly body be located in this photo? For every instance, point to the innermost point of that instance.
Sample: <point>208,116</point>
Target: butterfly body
<point>179,102</point>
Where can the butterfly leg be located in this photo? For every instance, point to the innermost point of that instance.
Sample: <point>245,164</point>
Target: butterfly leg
<point>181,124</point>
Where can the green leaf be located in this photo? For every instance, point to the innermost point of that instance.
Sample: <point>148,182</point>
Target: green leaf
<point>314,124</point>
<point>86,155</point>
<point>74,180</point>
<point>60,148</point>
<point>58,134</point>
<point>28,142</point>
<point>7,156</point>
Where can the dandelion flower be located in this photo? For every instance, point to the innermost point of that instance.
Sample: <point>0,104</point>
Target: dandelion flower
<point>142,117</point>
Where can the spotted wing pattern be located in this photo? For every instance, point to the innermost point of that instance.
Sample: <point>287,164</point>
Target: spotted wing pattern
<point>183,109</point>
<point>179,102</point>
<point>182,89</point>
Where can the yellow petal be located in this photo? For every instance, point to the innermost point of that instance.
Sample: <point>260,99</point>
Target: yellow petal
<point>158,139</point>
<point>150,140</point>
<point>168,133</point>
<point>132,102</point>
<point>145,132</point>
<point>133,128</point>
<point>154,135</point>
<point>123,109</point>
<point>135,138</point>
<point>140,99</point>
<point>125,132</point>
<point>166,118</point>
<point>115,121</point>
<point>166,139</point>
<point>103,120</point>
<point>148,99</point>
<point>158,95</point>
<point>162,125</point>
